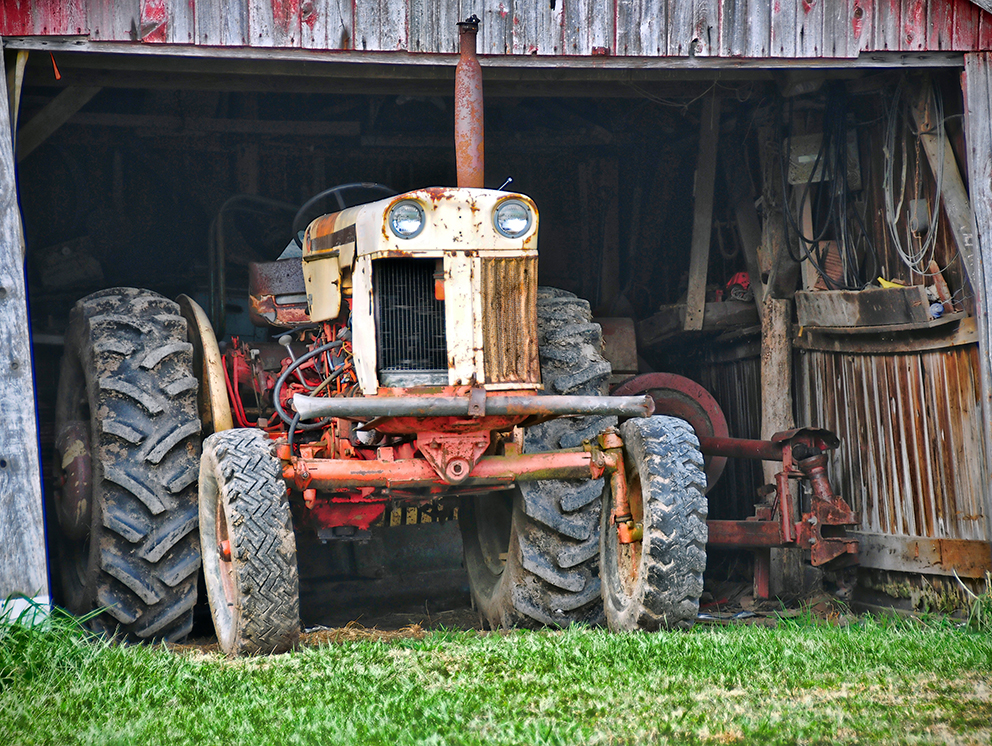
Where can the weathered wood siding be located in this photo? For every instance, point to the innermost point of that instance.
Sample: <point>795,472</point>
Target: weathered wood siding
<point>23,567</point>
<point>650,28</point>
<point>911,459</point>
<point>977,84</point>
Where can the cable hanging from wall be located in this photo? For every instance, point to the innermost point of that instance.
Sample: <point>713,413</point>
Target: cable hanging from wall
<point>833,225</point>
<point>918,250</point>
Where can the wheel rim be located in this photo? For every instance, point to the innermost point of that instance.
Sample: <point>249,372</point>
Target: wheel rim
<point>628,556</point>
<point>493,518</point>
<point>218,572</point>
<point>74,545</point>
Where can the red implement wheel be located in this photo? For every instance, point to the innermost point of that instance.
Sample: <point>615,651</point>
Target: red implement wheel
<point>678,396</point>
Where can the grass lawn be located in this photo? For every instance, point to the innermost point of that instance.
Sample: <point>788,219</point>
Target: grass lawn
<point>802,682</point>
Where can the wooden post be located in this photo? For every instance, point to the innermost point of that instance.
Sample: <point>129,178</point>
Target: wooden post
<point>786,565</point>
<point>977,231</point>
<point>702,225</point>
<point>23,561</point>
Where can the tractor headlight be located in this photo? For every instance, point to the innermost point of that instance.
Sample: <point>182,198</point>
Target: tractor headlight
<point>512,218</point>
<point>406,219</point>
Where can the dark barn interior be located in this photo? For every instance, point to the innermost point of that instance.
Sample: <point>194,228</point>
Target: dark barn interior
<point>173,176</point>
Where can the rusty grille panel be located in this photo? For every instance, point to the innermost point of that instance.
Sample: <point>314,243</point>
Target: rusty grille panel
<point>911,454</point>
<point>509,292</point>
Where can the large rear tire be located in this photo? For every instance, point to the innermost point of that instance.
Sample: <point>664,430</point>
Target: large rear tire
<point>249,549</point>
<point>127,436</point>
<point>656,583</point>
<point>533,558</point>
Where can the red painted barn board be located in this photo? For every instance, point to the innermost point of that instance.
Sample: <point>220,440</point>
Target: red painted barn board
<point>753,29</point>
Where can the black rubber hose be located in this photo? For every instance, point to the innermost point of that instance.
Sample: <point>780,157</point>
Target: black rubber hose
<point>285,374</point>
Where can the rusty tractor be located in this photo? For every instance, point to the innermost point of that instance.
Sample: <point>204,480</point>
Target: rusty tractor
<point>418,364</point>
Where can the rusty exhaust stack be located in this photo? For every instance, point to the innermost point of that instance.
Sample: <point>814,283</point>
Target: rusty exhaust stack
<point>469,140</point>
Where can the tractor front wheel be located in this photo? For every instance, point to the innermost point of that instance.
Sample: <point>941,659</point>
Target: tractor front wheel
<point>248,545</point>
<point>533,558</point>
<point>655,581</point>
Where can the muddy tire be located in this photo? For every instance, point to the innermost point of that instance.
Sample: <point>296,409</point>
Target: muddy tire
<point>249,549</point>
<point>532,554</point>
<point>656,583</point>
<point>128,442</point>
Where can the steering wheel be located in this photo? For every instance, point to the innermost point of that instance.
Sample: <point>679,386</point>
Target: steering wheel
<point>338,191</point>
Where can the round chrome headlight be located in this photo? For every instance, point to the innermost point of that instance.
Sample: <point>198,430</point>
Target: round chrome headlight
<point>512,218</point>
<point>406,219</point>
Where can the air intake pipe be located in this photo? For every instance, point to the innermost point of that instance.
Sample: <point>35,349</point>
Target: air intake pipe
<point>469,133</point>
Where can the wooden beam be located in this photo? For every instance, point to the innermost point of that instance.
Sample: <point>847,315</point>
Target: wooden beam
<point>702,225</point>
<point>741,196</point>
<point>182,125</point>
<point>23,562</point>
<point>918,554</point>
<point>15,80</point>
<point>704,66</point>
<point>48,120</point>
<point>954,196</point>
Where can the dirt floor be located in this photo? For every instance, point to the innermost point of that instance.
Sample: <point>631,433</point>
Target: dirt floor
<point>723,603</point>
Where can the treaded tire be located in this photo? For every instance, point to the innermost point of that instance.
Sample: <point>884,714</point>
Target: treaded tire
<point>126,380</point>
<point>656,583</point>
<point>255,593</point>
<point>533,558</point>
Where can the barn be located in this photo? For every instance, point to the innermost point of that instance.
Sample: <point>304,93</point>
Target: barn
<point>789,204</point>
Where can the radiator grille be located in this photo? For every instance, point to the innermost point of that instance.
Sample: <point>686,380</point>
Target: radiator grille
<point>409,323</point>
<point>509,291</point>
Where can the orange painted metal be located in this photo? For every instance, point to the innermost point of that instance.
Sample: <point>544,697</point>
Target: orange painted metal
<point>338,474</point>
<point>469,133</point>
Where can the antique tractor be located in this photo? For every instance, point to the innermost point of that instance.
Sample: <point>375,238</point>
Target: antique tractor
<point>419,364</point>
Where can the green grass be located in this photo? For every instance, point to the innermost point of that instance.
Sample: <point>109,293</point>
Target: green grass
<point>871,682</point>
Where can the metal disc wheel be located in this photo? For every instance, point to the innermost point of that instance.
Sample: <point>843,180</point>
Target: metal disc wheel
<point>123,539</point>
<point>249,549</point>
<point>532,555</point>
<point>655,581</point>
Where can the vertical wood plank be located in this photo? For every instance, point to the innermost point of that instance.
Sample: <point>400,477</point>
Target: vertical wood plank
<point>642,27</point>
<point>837,40</point>
<point>964,30</point>
<point>23,560</point>
<point>977,85</point>
<point>537,28</point>
<point>984,30</point>
<point>862,25</point>
<point>433,23</point>
<point>809,28</point>
<point>588,24</point>
<point>914,25</point>
<point>709,130</point>
<point>327,24</point>
<point>886,24</point>
<point>940,28</point>
<point>114,20</point>
<point>220,23</point>
<point>274,23</point>
<point>783,28</point>
<point>381,25</point>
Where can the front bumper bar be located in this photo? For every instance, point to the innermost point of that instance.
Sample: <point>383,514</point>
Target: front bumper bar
<point>369,407</point>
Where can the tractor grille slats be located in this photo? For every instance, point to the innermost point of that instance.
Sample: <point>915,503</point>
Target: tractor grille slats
<point>509,328</point>
<point>410,323</point>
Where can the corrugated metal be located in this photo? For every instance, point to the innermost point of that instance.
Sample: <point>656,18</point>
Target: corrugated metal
<point>911,458</point>
<point>510,328</point>
<point>651,28</point>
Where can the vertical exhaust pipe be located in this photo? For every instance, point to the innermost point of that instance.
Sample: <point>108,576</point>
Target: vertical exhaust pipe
<point>469,139</point>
